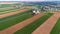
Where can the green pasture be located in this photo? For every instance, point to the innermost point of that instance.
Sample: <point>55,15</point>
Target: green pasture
<point>5,5</point>
<point>34,25</point>
<point>56,29</point>
<point>7,10</point>
<point>14,19</point>
<point>8,5</point>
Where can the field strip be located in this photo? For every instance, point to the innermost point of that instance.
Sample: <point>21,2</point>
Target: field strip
<point>56,28</point>
<point>20,25</point>
<point>12,13</point>
<point>32,26</point>
<point>47,26</point>
<point>14,19</point>
<point>6,8</point>
<point>8,11</point>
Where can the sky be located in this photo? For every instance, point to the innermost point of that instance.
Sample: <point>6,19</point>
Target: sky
<point>29,0</point>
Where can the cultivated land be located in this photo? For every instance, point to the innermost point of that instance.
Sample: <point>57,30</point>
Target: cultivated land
<point>20,25</point>
<point>12,13</point>
<point>56,29</point>
<point>32,26</point>
<point>47,26</point>
<point>14,19</point>
<point>7,10</point>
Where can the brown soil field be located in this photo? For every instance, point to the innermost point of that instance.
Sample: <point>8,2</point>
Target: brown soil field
<point>13,13</point>
<point>20,25</point>
<point>47,26</point>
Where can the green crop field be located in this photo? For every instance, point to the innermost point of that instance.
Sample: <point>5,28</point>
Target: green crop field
<point>56,29</point>
<point>5,8</point>
<point>8,5</point>
<point>31,27</point>
<point>12,20</point>
<point>5,5</point>
<point>8,9</point>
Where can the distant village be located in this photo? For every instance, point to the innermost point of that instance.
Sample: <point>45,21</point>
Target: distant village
<point>51,7</point>
<point>42,7</point>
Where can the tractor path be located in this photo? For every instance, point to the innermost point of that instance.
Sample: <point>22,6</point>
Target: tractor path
<point>47,26</point>
<point>20,25</point>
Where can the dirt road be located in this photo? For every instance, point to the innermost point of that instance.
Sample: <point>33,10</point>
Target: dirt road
<point>12,13</point>
<point>20,25</point>
<point>47,26</point>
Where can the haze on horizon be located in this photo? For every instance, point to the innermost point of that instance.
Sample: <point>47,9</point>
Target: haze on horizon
<point>30,0</point>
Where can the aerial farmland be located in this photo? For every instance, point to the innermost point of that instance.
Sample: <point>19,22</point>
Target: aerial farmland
<point>17,17</point>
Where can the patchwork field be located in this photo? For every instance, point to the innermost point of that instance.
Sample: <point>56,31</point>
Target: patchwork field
<point>31,27</point>
<point>14,19</point>
<point>56,29</point>
<point>25,23</point>
<point>7,10</point>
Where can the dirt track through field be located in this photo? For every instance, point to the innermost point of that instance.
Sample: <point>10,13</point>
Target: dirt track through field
<point>47,26</point>
<point>20,25</point>
<point>13,13</point>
